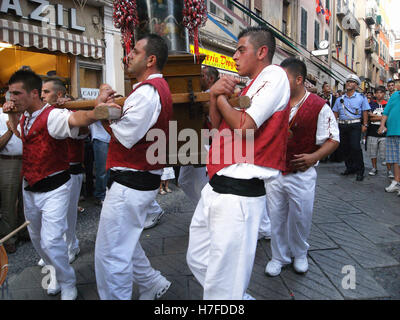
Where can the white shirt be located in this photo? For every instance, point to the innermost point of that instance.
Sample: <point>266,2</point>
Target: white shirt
<point>14,145</point>
<point>98,132</point>
<point>269,93</point>
<point>139,114</point>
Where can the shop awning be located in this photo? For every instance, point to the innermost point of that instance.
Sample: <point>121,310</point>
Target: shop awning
<point>27,35</point>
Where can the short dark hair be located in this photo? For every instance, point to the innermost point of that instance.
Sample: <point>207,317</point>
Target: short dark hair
<point>212,73</point>
<point>260,36</point>
<point>390,81</point>
<point>324,84</point>
<point>58,85</point>
<point>29,79</point>
<point>380,88</point>
<point>296,67</point>
<point>156,46</point>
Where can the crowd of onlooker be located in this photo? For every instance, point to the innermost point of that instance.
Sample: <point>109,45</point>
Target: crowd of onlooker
<point>382,138</point>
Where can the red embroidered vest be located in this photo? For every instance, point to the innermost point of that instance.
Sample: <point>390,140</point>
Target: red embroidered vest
<point>135,158</point>
<point>42,154</point>
<point>304,129</point>
<point>75,150</point>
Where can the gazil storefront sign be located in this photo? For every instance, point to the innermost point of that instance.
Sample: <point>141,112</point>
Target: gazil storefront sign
<point>44,12</point>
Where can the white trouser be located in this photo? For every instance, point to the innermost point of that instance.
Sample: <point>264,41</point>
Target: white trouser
<point>265,225</point>
<point>222,243</point>
<point>47,213</point>
<point>154,208</point>
<point>192,180</point>
<point>119,257</point>
<point>290,200</point>
<point>75,192</point>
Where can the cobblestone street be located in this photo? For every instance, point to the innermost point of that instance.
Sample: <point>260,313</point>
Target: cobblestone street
<point>355,224</point>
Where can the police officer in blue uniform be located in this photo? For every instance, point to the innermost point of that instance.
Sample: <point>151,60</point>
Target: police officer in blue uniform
<point>351,110</point>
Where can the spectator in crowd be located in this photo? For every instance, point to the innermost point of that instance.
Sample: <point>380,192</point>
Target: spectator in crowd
<point>352,112</point>
<point>376,142</point>
<point>100,141</point>
<point>10,180</point>
<point>327,94</point>
<point>390,124</point>
<point>391,86</point>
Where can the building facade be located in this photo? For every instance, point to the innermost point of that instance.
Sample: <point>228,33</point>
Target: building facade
<point>63,39</point>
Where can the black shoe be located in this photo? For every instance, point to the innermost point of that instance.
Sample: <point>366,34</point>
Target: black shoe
<point>360,177</point>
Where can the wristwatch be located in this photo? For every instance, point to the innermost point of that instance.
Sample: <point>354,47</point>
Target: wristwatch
<point>365,125</point>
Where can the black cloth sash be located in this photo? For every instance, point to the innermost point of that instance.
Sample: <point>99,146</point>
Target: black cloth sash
<point>76,168</point>
<point>138,180</point>
<point>49,183</point>
<point>240,187</point>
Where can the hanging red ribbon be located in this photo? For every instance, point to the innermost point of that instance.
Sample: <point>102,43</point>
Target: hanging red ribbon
<point>125,17</point>
<point>194,17</point>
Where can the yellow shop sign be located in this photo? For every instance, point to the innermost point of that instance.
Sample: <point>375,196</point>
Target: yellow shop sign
<point>216,60</point>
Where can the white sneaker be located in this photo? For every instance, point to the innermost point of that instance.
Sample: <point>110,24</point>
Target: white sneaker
<point>373,172</point>
<point>54,290</point>
<point>247,296</point>
<point>69,294</point>
<point>300,265</point>
<point>264,235</point>
<point>72,254</point>
<point>41,263</point>
<point>384,163</point>
<point>152,220</point>
<point>273,268</point>
<point>390,174</point>
<point>394,187</point>
<point>156,291</point>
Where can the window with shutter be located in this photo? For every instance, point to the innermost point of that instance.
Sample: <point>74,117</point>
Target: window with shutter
<point>316,35</point>
<point>303,34</point>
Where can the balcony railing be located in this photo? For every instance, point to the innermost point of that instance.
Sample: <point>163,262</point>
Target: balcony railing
<point>351,23</point>
<point>370,16</point>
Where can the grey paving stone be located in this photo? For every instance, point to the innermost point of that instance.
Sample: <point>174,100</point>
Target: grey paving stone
<point>84,273</point>
<point>313,285</point>
<point>319,240</point>
<point>376,232</point>
<point>382,207</point>
<point>176,245</point>
<point>151,246</point>
<point>361,249</point>
<point>171,265</point>
<point>396,229</point>
<point>332,263</point>
<point>195,289</point>
<point>87,292</point>
<point>29,278</point>
<point>335,206</point>
<point>323,214</point>
<point>31,294</point>
<point>347,190</point>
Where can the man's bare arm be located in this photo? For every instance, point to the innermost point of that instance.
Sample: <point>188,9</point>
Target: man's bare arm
<point>5,138</point>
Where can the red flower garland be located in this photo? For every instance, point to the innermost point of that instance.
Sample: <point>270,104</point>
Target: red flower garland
<point>194,17</point>
<point>125,17</point>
